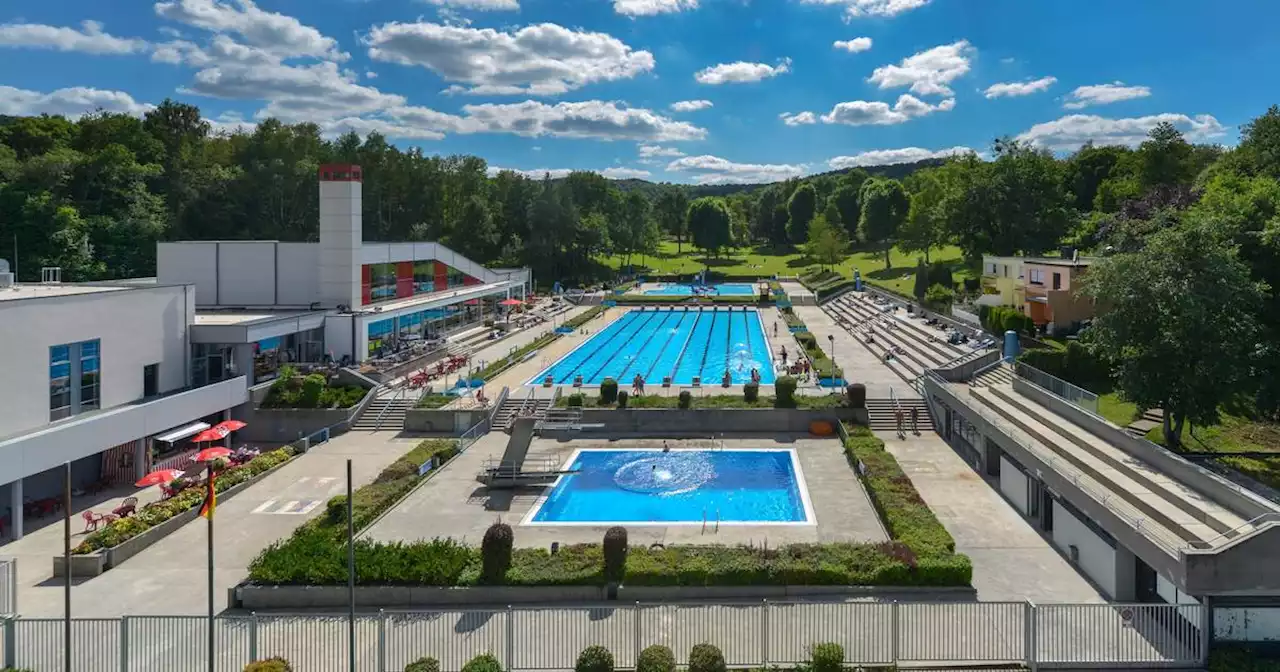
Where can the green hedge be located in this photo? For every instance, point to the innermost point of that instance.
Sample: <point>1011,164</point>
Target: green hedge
<point>123,529</point>
<point>309,550</point>
<point>828,290</point>
<point>905,514</point>
<point>313,391</point>
<point>999,319</point>
<point>1229,657</point>
<point>584,318</point>
<point>821,362</point>
<point>499,365</point>
<point>1074,364</point>
<point>813,281</point>
<point>434,401</point>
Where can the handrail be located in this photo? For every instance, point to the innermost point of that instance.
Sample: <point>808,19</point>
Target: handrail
<point>377,423</point>
<point>1254,522</point>
<point>1031,374</point>
<point>1076,475</point>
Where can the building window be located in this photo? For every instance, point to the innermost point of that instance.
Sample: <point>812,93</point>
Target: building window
<point>1037,276</point>
<point>90,375</point>
<point>1057,281</point>
<point>424,277</point>
<point>150,380</point>
<point>383,282</point>
<point>1006,270</point>
<point>59,382</point>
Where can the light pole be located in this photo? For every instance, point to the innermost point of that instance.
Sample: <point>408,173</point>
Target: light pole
<point>831,338</point>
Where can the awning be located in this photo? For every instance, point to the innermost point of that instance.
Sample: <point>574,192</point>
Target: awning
<point>183,432</point>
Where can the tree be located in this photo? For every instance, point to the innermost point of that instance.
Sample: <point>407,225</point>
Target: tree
<point>1089,168</point>
<point>1259,149</point>
<point>845,198</point>
<point>670,211</point>
<point>884,207</point>
<point>921,285</point>
<point>709,224</point>
<point>924,226</point>
<point>1179,322</point>
<point>1165,158</point>
<point>800,211</point>
<point>827,243</point>
<point>779,224</point>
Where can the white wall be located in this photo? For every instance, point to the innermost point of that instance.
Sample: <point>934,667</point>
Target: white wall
<point>1246,624</point>
<point>1097,557</point>
<point>243,273</point>
<point>337,336</point>
<point>247,274</point>
<point>297,277</point>
<point>341,235</point>
<point>191,263</point>
<point>136,327</point>
<point>1013,483</point>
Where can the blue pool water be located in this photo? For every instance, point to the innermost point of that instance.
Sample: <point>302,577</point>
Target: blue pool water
<point>650,486</point>
<point>727,289</point>
<point>671,342</point>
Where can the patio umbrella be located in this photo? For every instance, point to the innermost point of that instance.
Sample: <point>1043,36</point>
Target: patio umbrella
<point>157,477</point>
<point>511,302</point>
<point>231,425</point>
<point>215,433</point>
<point>210,454</point>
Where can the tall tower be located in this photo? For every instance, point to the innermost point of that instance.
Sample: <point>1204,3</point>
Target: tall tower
<point>341,235</point>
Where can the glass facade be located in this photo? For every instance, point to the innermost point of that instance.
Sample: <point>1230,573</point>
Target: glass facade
<point>386,336</point>
<point>270,354</point>
<point>75,378</point>
<point>382,282</point>
<point>90,375</point>
<point>210,363</point>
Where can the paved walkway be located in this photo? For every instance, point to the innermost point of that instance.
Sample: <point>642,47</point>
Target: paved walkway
<point>859,364</point>
<point>169,578</point>
<point>1011,561</point>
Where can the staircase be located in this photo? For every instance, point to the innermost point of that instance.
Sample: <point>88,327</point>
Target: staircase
<point>996,375</point>
<point>881,417</point>
<point>1150,420</point>
<point>511,409</point>
<point>393,418</point>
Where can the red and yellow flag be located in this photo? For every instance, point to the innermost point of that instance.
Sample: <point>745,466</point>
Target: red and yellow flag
<point>210,500</point>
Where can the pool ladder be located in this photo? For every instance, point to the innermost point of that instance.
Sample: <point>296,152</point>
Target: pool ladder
<point>704,522</point>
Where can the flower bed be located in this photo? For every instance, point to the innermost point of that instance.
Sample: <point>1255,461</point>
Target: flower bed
<point>434,401</point>
<point>313,391</point>
<point>906,516</point>
<point>151,515</point>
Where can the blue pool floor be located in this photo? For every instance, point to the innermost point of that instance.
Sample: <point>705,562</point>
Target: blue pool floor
<point>679,343</point>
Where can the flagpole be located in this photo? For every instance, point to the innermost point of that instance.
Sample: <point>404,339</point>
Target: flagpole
<point>209,518</point>
<point>66,567</point>
<point>351,578</point>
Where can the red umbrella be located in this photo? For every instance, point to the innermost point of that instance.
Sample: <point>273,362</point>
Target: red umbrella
<point>216,433</point>
<point>511,302</point>
<point>210,454</point>
<point>231,425</point>
<point>158,477</point>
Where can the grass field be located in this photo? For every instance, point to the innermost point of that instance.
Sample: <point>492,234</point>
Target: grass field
<point>1111,407</point>
<point>764,262</point>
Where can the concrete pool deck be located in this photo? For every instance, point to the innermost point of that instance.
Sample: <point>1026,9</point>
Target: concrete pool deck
<point>453,504</point>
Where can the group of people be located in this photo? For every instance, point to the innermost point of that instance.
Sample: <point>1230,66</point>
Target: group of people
<point>637,385</point>
<point>802,366</point>
<point>899,420</point>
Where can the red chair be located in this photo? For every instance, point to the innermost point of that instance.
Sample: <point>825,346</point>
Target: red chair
<point>91,520</point>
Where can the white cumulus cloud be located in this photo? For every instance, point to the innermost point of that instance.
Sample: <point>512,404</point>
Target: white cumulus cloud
<point>1014,89</point>
<point>928,72</point>
<point>798,119</point>
<point>888,157</point>
<point>715,170</point>
<point>690,105</point>
<point>853,46</point>
<point>282,35</point>
<point>652,7</point>
<point>595,119</point>
<point>619,173</point>
<point>648,151</point>
<point>741,71</point>
<point>90,39</point>
<point>72,102</point>
<point>542,59</point>
<point>479,5</point>
<point>1104,94</point>
<point>1072,131</point>
<point>316,92</point>
<point>854,9</point>
<point>876,113</point>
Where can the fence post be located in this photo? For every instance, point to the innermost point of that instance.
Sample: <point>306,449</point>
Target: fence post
<point>11,641</point>
<point>253,636</point>
<point>1029,637</point>
<point>639,644</point>
<point>764,634</point>
<point>13,586</point>
<point>896,629</point>
<point>1206,629</point>
<point>124,644</point>
<point>511,638</point>
<point>382,640</point>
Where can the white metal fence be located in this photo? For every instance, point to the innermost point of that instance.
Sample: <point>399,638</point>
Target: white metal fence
<point>1081,636</point>
<point>8,586</point>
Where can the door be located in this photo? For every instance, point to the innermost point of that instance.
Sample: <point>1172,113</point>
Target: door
<point>150,380</point>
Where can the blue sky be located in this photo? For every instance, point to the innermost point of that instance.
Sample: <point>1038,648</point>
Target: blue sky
<point>771,88</point>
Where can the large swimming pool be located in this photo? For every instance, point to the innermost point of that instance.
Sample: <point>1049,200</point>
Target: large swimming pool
<point>677,342</point>
<point>682,486</point>
<point>725,289</point>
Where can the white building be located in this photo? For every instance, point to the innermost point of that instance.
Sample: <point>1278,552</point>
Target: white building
<point>112,376</point>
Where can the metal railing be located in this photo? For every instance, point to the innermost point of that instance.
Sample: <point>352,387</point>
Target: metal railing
<point>8,586</point>
<point>759,634</point>
<point>1115,502</point>
<point>387,406</point>
<point>472,435</point>
<point>1072,393</point>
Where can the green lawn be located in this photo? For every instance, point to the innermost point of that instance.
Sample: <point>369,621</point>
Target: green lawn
<point>1112,408</point>
<point>764,261</point>
<point>1236,434</point>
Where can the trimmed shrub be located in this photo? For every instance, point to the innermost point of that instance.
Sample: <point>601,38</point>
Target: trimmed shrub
<point>939,297</point>
<point>940,274</point>
<point>608,391</point>
<point>785,387</point>
<point>312,388</point>
<point>656,658</point>
<point>336,509</point>
<point>706,658</point>
<point>857,393</point>
<point>594,658</point>
<point>826,657</point>
<point>922,280</point>
<point>276,664</point>
<point>622,399</point>
<point>751,391</point>
<point>686,400</point>
<point>485,662</point>
<point>495,552</point>
<point>615,553</point>
<point>427,664</point>
<point>576,400</point>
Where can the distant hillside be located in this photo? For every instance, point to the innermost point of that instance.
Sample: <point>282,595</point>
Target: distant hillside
<point>895,171</point>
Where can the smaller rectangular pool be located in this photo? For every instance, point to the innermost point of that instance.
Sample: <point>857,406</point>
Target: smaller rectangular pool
<point>726,289</point>
<point>650,487</point>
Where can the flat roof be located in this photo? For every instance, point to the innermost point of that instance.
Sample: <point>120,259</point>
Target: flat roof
<point>228,318</point>
<point>41,291</point>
